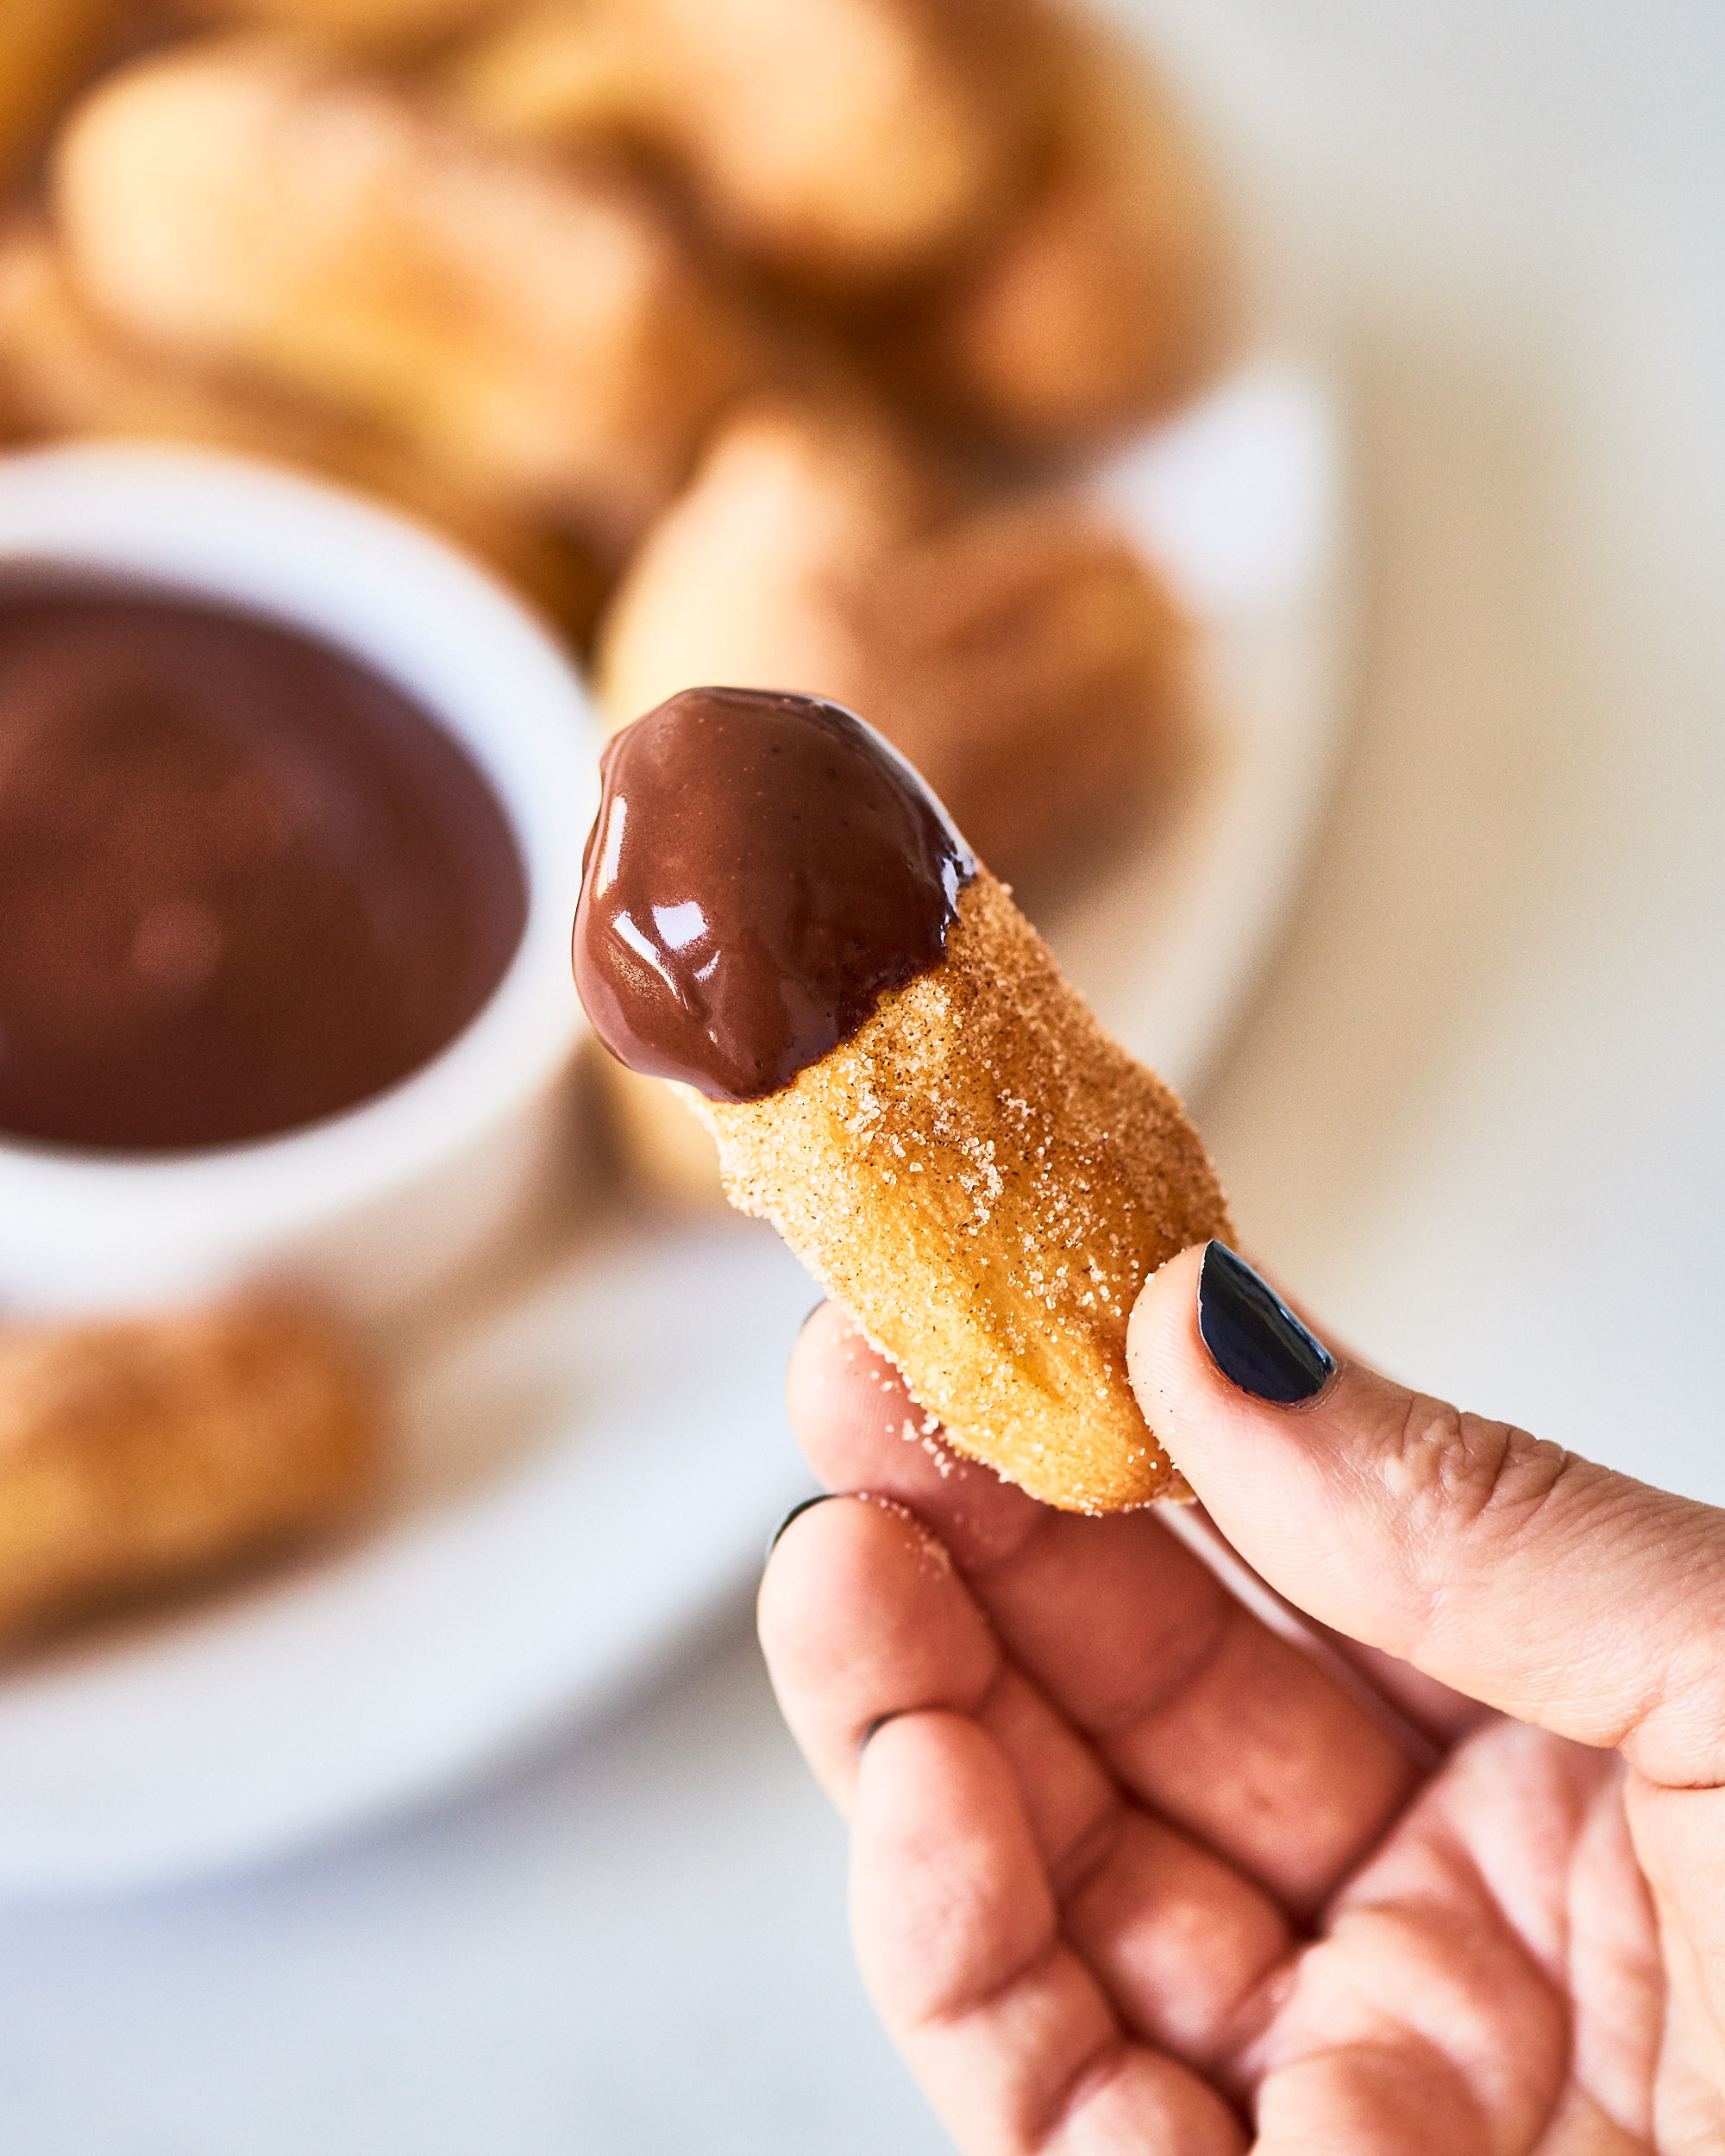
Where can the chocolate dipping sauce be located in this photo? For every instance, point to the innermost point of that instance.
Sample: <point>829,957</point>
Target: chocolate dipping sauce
<point>762,870</point>
<point>245,883</point>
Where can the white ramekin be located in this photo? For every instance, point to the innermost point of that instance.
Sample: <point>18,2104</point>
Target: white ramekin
<point>374,1207</point>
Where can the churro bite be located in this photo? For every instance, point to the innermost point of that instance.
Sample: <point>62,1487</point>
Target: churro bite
<point>779,917</point>
<point>538,333</point>
<point>136,1456</point>
<point>836,143</point>
<point>1022,654</point>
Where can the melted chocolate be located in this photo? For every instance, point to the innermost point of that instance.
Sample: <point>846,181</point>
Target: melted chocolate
<point>245,883</point>
<point>763,869</point>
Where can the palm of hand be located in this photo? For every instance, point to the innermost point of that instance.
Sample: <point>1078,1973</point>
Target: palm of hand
<point>1130,1868</point>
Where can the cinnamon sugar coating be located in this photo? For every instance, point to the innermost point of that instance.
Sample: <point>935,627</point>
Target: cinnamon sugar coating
<point>987,1181</point>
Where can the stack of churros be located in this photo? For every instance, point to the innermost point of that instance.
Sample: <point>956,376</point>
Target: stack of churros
<point>519,264</point>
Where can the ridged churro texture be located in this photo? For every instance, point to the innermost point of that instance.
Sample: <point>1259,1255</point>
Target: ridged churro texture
<point>987,1180</point>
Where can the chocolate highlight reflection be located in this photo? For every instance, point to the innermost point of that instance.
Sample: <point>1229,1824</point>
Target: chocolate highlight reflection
<point>764,869</point>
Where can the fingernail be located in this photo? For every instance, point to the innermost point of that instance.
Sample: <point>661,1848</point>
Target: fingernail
<point>875,1728</point>
<point>1254,1338</point>
<point>811,1316</point>
<point>796,1513</point>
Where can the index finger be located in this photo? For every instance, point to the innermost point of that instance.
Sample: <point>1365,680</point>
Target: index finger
<point>1197,1707</point>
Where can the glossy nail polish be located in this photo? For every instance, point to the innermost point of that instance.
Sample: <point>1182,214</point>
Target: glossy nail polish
<point>877,1727</point>
<point>796,1513</point>
<point>1254,1338</point>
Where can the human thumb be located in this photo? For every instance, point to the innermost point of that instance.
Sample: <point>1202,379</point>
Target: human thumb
<point>1499,1565</point>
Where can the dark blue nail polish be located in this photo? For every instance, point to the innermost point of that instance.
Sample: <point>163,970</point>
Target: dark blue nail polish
<point>796,1513</point>
<point>1254,1338</point>
<point>877,1727</point>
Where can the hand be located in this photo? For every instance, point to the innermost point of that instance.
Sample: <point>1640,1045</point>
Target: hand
<point>1132,1873</point>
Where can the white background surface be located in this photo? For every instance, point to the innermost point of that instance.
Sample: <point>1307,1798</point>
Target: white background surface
<point>1475,1117</point>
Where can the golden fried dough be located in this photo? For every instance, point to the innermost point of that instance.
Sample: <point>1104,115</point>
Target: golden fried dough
<point>1022,655</point>
<point>65,373</point>
<point>987,1181</point>
<point>45,46</point>
<point>135,1455</point>
<point>538,335</point>
<point>836,141</point>
<point>1107,298</point>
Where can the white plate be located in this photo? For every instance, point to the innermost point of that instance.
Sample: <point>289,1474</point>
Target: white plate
<point>595,1464</point>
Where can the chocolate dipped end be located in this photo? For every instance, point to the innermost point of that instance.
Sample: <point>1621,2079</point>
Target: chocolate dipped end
<point>763,869</point>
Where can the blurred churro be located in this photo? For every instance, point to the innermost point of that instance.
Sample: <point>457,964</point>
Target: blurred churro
<point>135,1456</point>
<point>45,46</point>
<point>670,1158</point>
<point>539,335</point>
<point>734,582</point>
<point>1107,298</point>
<point>379,28</point>
<point>836,142</point>
<point>1021,655</point>
<point>63,373</point>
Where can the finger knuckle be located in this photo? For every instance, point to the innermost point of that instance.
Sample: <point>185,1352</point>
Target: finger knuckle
<point>1471,1474</point>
